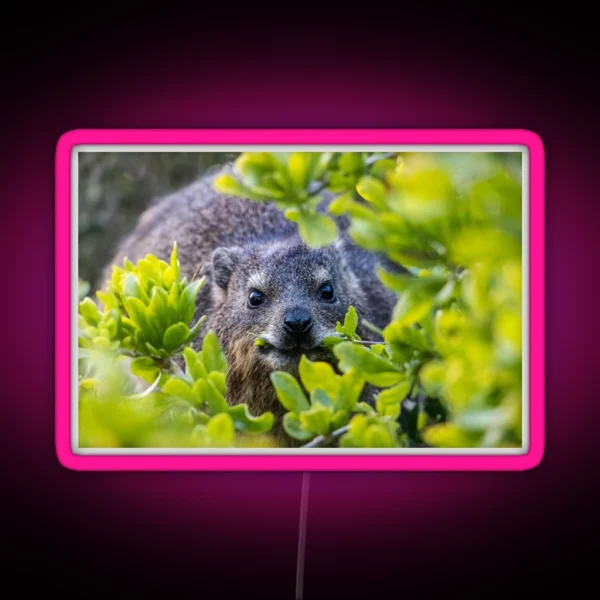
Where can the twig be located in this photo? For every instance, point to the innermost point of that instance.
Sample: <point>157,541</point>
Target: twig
<point>319,189</point>
<point>369,162</point>
<point>130,354</point>
<point>147,391</point>
<point>413,384</point>
<point>373,328</point>
<point>374,159</point>
<point>197,273</point>
<point>316,443</point>
<point>360,342</point>
<point>177,370</point>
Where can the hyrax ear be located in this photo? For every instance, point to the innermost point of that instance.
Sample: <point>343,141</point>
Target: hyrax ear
<point>224,261</point>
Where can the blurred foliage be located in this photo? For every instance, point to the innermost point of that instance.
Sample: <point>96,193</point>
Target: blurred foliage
<point>448,372</point>
<point>140,381</point>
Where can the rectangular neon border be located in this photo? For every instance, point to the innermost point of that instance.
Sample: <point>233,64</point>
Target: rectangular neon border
<point>173,462</point>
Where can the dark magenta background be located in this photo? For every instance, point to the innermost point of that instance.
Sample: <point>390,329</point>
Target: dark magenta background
<point>142,531</point>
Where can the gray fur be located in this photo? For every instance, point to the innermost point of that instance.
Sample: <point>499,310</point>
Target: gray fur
<point>238,244</point>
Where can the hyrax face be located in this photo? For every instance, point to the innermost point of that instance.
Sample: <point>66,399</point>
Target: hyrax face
<point>287,294</point>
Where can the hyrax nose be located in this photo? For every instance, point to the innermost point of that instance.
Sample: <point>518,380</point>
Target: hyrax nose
<point>297,322</point>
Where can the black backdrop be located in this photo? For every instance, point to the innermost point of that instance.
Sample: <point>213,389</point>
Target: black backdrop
<point>410,533</point>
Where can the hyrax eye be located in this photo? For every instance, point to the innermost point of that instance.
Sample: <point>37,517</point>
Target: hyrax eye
<point>255,298</point>
<point>327,293</point>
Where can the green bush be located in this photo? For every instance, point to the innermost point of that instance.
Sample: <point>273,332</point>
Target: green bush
<point>143,328</point>
<point>448,373</point>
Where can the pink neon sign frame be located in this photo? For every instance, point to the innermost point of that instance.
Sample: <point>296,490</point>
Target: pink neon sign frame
<point>289,462</point>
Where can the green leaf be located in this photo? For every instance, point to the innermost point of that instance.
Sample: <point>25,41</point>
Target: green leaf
<point>331,340</point>
<point>229,185</point>
<point>221,429</point>
<point>247,423</point>
<point>388,410</point>
<point>202,391</point>
<point>378,436</point>
<point>368,233</point>
<point>175,336</point>
<point>83,288</point>
<point>432,377</point>
<point>187,302</point>
<point>372,190</point>
<point>408,343</point>
<point>342,204</point>
<point>145,368</point>
<point>375,369</point>
<point>351,322</point>
<point>316,230</point>
<point>409,337</point>
<point>175,261</point>
<point>268,192</point>
<point>89,383</point>
<point>214,358</point>
<point>170,277</point>
<point>447,435</point>
<point>255,167</point>
<point>196,328</point>
<point>339,182</point>
<point>411,308</point>
<point>339,419</point>
<point>137,313</point>
<point>383,166</point>
<point>292,214</point>
<point>89,311</point>
<point>397,282</point>
<point>317,419</point>
<point>395,394</point>
<point>149,270</point>
<point>318,375</point>
<point>158,308</point>
<point>194,368</point>
<point>219,380</point>
<point>109,299</point>
<point>101,343</point>
<point>289,392</point>
<point>215,399</point>
<point>350,390</point>
<point>426,194</point>
<point>318,396</point>
<point>299,166</point>
<point>180,389</point>
<point>476,244</point>
<point>293,427</point>
<point>351,162</point>
<point>133,288</point>
<point>356,432</point>
<point>446,294</point>
<point>324,160</point>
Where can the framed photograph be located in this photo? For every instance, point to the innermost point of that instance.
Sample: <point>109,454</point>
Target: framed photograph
<point>300,300</point>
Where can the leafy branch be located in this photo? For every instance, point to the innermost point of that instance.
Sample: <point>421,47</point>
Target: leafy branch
<point>322,440</point>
